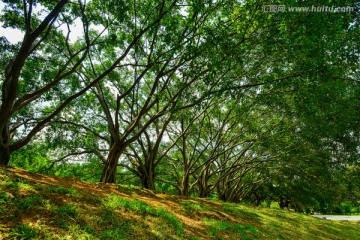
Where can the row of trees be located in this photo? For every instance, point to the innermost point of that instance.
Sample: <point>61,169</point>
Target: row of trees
<point>202,97</point>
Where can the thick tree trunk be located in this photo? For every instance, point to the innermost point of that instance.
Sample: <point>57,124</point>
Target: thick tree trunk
<point>204,190</point>
<point>4,155</point>
<point>284,203</point>
<point>148,182</point>
<point>184,188</point>
<point>204,187</point>
<point>4,145</point>
<point>109,171</point>
<point>148,175</point>
<point>222,196</point>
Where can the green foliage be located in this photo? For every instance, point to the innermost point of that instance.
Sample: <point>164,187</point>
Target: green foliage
<point>346,208</point>
<point>89,171</point>
<point>23,232</point>
<point>33,158</point>
<point>254,106</point>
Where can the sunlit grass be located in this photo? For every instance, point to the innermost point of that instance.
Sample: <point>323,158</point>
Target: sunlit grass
<point>55,211</point>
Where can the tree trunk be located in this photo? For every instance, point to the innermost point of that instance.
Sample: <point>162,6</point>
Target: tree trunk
<point>4,145</point>
<point>148,182</point>
<point>148,175</point>
<point>184,188</point>
<point>204,189</point>
<point>109,171</point>
<point>4,155</point>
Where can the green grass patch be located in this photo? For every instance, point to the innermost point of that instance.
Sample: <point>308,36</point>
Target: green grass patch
<point>190,208</point>
<point>217,228</point>
<point>64,191</point>
<point>23,232</point>
<point>17,185</point>
<point>235,208</point>
<point>57,212</point>
<point>114,226</point>
<point>24,204</point>
<point>136,206</point>
<point>81,233</point>
<point>139,207</point>
<point>4,198</point>
<point>66,211</point>
<point>65,215</point>
<point>172,220</point>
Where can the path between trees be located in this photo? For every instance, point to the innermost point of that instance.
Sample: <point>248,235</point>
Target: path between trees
<point>338,217</point>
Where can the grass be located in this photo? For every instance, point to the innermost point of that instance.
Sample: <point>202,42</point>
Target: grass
<point>219,228</point>
<point>35,206</point>
<point>191,208</point>
<point>23,232</point>
<point>141,208</point>
<point>134,205</point>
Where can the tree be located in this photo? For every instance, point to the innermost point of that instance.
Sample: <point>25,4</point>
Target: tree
<point>24,92</point>
<point>165,65</point>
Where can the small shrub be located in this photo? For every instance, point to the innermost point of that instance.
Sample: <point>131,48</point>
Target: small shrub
<point>355,210</point>
<point>23,232</point>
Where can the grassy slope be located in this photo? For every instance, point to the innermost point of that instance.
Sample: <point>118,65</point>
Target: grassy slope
<point>46,207</point>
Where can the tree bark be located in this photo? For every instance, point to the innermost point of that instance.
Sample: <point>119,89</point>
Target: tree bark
<point>148,182</point>
<point>184,188</point>
<point>148,174</point>
<point>110,167</point>
<point>4,155</point>
<point>5,144</point>
<point>204,189</point>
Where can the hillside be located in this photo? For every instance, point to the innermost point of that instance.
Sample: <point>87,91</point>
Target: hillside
<point>36,206</point>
